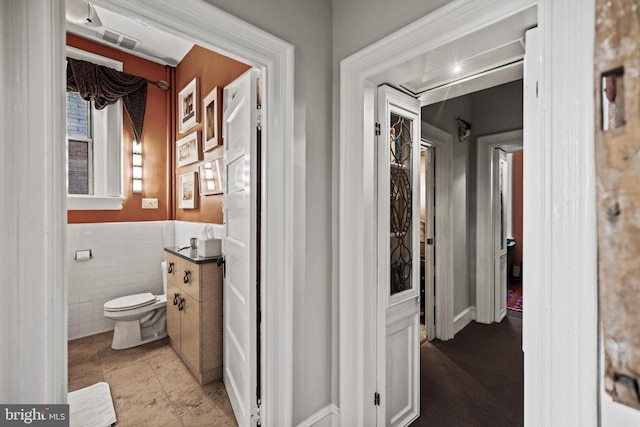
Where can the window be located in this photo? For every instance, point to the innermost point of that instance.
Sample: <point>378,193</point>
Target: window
<point>80,142</point>
<point>94,148</point>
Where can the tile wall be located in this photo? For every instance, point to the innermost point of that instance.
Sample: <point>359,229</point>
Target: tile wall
<point>126,260</point>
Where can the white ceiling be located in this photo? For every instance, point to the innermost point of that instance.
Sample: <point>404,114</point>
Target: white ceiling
<point>155,45</point>
<point>430,77</point>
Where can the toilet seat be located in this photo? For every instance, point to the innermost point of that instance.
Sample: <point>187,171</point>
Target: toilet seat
<point>130,302</point>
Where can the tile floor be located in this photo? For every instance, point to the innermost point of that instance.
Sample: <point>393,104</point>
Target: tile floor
<point>150,386</point>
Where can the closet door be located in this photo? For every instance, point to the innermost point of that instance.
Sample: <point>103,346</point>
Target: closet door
<point>398,258</point>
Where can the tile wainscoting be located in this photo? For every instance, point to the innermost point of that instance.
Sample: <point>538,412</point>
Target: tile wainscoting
<point>126,260</point>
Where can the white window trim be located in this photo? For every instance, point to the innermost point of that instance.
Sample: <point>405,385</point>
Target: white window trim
<point>107,149</point>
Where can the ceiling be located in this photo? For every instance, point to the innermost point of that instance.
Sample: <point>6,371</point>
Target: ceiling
<point>431,77</point>
<point>465,65</point>
<point>124,33</point>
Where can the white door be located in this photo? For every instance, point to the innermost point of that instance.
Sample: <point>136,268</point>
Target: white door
<point>499,165</point>
<point>398,259</point>
<point>428,239</point>
<point>239,247</point>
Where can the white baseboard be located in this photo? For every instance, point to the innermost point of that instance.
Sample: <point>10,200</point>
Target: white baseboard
<point>329,416</point>
<point>465,317</point>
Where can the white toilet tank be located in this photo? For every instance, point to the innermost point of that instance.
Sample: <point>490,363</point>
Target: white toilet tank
<point>163,267</point>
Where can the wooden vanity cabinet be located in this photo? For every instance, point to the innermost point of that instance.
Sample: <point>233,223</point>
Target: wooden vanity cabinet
<point>194,314</point>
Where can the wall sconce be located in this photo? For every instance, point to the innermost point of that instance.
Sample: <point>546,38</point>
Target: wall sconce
<point>137,167</point>
<point>464,129</point>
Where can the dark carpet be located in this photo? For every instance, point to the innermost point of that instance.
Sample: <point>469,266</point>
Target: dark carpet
<point>476,379</point>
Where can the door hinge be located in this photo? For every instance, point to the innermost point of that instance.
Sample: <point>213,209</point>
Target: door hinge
<point>257,415</point>
<point>259,117</point>
<point>377,129</point>
<point>536,89</point>
<point>430,241</point>
<point>376,399</point>
<point>222,262</point>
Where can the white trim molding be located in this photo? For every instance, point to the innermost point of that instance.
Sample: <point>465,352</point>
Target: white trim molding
<point>452,21</point>
<point>561,346</point>
<point>33,321</point>
<point>463,318</point>
<point>328,416</point>
<point>485,289</point>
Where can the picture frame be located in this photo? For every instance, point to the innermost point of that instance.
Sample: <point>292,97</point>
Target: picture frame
<point>188,104</point>
<point>210,114</point>
<point>187,151</point>
<point>187,190</point>
<point>211,181</point>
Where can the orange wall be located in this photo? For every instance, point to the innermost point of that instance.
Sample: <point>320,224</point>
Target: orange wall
<point>155,145</point>
<point>517,207</point>
<point>212,69</point>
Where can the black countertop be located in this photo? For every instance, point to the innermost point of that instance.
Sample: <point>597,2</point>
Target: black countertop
<point>186,255</point>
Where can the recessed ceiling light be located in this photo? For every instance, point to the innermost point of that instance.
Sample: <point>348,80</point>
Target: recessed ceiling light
<point>457,68</point>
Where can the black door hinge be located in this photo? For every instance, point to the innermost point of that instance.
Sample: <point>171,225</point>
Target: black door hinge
<point>222,262</point>
<point>376,399</point>
<point>377,129</point>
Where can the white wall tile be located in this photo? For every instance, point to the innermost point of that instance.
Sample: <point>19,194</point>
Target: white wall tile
<point>126,259</point>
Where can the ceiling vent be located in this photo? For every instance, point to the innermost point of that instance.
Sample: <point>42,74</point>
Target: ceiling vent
<point>118,39</point>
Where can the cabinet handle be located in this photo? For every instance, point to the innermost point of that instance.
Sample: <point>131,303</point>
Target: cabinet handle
<point>181,304</point>
<point>175,298</point>
<point>170,268</point>
<point>187,276</point>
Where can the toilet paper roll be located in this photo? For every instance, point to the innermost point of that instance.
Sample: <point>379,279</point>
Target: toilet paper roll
<point>83,255</point>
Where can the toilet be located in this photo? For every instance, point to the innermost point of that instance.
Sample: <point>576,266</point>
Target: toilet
<point>140,318</point>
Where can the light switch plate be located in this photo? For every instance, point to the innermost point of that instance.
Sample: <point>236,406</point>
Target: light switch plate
<point>149,203</point>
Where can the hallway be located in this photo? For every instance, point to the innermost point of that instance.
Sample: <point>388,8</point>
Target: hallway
<point>476,379</point>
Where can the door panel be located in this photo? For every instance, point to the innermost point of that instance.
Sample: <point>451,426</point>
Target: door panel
<point>239,247</point>
<point>398,257</point>
<point>500,233</point>
<point>190,332</point>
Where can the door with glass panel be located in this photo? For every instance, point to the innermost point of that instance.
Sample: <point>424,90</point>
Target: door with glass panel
<point>398,194</point>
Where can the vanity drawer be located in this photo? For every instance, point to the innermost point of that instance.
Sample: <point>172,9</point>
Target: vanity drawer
<point>184,274</point>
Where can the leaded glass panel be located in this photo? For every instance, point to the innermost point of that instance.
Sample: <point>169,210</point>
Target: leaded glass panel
<point>401,202</point>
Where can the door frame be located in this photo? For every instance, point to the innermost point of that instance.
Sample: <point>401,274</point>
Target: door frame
<point>441,141</point>
<point>217,30</point>
<point>562,216</point>
<point>485,284</point>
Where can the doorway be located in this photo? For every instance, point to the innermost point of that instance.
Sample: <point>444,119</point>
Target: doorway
<point>352,196</point>
<point>273,58</point>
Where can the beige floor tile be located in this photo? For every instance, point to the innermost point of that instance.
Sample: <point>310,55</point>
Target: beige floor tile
<point>150,385</point>
<point>193,396</point>
<point>115,359</point>
<point>209,415</point>
<point>81,343</point>
<point>84,375</point>
<point>104,337</point>
<point>128,374</point>
<point>85,354</point>
<point>158,348</point>
<point>174,423</point>
<point>172,373</point>
<point>155,412</point>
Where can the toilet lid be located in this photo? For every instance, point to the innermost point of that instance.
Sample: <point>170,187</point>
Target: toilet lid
<point>130,302</point>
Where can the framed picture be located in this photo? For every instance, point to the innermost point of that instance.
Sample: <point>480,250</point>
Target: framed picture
<point>210,178</point>
<point>188,106</point>
<point>187,190</point>
<point>187,149</point>
<point>210,129</point>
